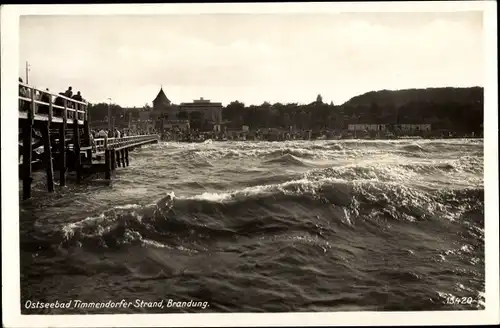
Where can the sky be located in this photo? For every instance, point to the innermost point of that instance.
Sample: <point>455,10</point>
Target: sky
<point>250,57</point>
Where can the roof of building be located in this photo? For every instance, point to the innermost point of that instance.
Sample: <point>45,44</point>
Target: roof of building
<point>161,97</point>
<point>201,104</point>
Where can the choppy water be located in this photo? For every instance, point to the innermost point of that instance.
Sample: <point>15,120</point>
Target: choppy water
<point>263,226</point>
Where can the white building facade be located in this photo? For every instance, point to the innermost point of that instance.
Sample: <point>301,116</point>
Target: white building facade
<point>386,127</point>
<point>367,127</point>
<point>413,127</point>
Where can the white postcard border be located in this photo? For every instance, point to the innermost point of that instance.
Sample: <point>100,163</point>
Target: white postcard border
<point>10,202</point>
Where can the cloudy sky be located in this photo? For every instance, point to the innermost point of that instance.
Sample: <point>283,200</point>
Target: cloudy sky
<point>250,57</point>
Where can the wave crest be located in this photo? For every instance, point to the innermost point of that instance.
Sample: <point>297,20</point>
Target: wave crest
<point>288,206</point>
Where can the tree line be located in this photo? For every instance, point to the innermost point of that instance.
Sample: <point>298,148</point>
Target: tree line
<point>458,109</point>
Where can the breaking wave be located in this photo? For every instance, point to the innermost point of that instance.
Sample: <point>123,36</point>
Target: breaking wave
<point>262,209</point>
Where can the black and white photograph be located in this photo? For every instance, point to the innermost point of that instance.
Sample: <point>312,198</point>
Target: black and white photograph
<point>250,159</point>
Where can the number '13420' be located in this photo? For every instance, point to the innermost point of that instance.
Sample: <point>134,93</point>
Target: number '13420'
<point>460,300</point>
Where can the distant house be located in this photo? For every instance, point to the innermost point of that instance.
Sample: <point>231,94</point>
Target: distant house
<point>413,127</point>
<point>202,112</point>
<point>387,127</point>
<point>368,127</point>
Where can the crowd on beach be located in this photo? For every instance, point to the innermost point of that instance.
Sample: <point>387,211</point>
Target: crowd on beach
<point>198,136</point>
<point>283,135</point>
<point>105,133</point>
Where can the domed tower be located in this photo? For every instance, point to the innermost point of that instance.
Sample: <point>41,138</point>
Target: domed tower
<point>161,102</point>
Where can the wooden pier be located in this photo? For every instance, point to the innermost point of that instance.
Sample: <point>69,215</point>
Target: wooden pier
<point>114,152</point>
<point>64,123</point>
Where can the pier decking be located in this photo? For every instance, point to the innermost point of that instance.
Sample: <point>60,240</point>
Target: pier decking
<point>66,121</point>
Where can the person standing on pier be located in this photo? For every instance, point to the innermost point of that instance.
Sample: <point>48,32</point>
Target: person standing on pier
<point>22,89</point>
<point>77,97</point>
<point>92,140</point>
<point>69,93</point>
<point>23,93</point>
<point>46,99</point>
<point>59,101</point>
<point>102,134</point>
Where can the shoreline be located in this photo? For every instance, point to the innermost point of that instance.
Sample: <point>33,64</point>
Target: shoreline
<point>327,139</point>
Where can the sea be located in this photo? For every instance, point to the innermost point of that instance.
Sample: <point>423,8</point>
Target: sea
<point>239,226</point>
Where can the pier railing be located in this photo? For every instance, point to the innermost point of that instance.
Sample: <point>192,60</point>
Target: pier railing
<point>37,104</point>
<point>103,144</point>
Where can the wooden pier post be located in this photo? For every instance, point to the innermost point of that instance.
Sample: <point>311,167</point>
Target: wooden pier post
<point>118,161</point>
<point>51,109</point>
<point>126,156</point>
<point>27,151</point>
<point>123,157</point>
<point>107,161</point>
<point>76,149</point>
<point>27,147</point>
<point>47,151</point>
<point>113,159</point>
<point>62,147</point>
<point>86,136</point>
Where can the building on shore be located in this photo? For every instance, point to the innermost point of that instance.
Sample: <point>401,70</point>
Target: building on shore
<point>368,127</point>
<point>201,114</point>
<point>413,128</point>
<point>405,128</point>
<point>161,102</point>
<point>162,109</point>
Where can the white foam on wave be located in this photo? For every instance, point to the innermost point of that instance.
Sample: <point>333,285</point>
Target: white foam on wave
<point>251,191</point>
<point>104,222</point>
<point>402,201</point>
<point>94,229</point>
<point>127,206</point>
<point>153,243</point>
